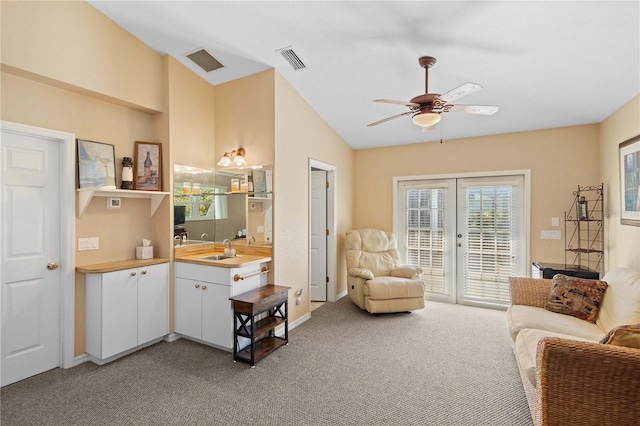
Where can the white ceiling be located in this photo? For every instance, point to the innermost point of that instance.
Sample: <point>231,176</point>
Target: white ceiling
<point>544,63</point>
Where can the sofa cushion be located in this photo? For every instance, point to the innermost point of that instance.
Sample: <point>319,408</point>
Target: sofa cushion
<point>522,316</point>
<point>623,335</point>
<point>578,297</point>
<point>526,347</point>
<point>621,302</point>
<point>381,288</point>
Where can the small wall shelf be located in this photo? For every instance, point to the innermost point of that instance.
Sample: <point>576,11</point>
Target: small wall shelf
<point>85,195</point>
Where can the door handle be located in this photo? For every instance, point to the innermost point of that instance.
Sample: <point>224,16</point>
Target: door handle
<point>52,265</point>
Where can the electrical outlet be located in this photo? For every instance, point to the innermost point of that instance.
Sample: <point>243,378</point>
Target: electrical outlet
<point>260,229</point>
<point>550,235</point>
<point>94,243</point>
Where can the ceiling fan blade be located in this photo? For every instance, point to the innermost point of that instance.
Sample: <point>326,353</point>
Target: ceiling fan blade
<point>460,91</point>
<point>473,109</point>
<point>390,101</point>
<point>375,123</point>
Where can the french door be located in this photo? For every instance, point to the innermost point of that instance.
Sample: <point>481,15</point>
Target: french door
<point>467,235</point>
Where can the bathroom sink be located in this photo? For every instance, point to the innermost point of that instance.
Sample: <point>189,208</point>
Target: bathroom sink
<point>217,257</point>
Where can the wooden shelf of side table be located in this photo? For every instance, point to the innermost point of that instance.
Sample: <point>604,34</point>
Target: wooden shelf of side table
<point>247,308</point>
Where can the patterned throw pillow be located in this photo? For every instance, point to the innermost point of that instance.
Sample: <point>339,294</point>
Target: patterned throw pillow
<point>578,297</point>
<point>623,335</point>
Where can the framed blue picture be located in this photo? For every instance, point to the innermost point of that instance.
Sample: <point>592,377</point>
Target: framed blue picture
<point>96,165</point>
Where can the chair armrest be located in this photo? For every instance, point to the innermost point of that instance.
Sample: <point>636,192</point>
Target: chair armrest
<point>406,271</point>
<point>584,383</point>
<point>360,273</point>
<point>529,291</point>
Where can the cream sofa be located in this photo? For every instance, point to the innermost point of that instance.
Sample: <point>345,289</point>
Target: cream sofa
<point>569,377</point>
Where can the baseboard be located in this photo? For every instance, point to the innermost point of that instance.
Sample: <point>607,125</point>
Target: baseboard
<point>80,359</point>
<point>341,295</point>
<point>293,324</point>
<point>172,337</point>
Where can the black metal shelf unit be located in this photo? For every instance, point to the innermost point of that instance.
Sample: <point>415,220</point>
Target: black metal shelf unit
<point>584,229</point>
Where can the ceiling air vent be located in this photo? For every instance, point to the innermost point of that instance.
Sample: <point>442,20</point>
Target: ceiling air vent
<point>205,60</point>
<point>291,57</point>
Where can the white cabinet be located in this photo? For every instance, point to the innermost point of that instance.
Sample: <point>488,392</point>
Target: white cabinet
<point>203,310</point>
<point>126,309</point>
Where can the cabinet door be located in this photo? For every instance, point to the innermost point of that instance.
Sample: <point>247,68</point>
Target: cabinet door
<point>217,315</point>
<point>153,308</point>
<point>188,309</point>
<point>119,312</point>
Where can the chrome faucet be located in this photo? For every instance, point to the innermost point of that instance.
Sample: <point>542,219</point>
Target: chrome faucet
<point>227,241</point>
<point>204,234</point>
<point>250,239</point>
<point>178,239</point>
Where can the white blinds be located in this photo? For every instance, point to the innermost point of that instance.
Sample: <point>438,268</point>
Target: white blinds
<point>491,239</point>
<point>424,221</point>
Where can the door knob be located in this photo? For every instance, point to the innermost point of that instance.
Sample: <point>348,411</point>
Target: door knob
<point>52,265</point>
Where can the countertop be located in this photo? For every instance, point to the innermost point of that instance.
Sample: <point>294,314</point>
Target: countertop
<point>233,262</point>
<point>246,255</point>
<point>119,265</point>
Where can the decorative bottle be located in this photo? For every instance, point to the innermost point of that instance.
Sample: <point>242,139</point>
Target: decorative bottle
<point>127,173</point>
<point>581,209</point>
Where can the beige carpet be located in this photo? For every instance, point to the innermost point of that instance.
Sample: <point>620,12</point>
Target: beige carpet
<point>444,365</point>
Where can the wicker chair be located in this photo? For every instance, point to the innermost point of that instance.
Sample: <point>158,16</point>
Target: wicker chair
<point>578,382</point>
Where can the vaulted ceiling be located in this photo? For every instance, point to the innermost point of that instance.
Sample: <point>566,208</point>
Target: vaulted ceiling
<point>544,63</point>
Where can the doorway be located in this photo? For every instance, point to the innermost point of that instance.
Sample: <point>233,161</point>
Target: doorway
<point>467,233</point>
<point>37,261</point>
<point>322,238</point>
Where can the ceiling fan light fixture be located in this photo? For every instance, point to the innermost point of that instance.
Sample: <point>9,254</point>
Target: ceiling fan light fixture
<point>426,119</point>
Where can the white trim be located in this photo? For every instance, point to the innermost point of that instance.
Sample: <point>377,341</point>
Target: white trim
<point>67,231</point>
<point>332,178</point>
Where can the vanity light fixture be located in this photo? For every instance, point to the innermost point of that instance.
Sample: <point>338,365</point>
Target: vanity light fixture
<point>235,157</point>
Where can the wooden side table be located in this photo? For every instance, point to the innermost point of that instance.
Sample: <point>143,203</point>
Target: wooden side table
<point>247,308</point>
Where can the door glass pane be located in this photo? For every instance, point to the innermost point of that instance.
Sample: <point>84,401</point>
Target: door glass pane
<point>489,251</point>
<point>425,235</point>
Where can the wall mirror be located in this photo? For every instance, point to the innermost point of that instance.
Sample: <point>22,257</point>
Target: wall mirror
<point>214,205</point>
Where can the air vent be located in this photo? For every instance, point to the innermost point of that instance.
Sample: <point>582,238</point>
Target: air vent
<point>205,60</point>
<point>291,57</point>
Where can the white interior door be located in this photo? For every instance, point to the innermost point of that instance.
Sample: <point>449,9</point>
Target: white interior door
<point>30,277</point>
<point>318,235</point>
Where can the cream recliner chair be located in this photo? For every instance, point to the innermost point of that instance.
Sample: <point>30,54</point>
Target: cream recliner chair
<point>376,281</point>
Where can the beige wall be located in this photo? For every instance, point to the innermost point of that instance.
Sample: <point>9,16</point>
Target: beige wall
<point>622,241</point>
<point>559,160</point>
<point>245,114</point>
<point>72,45</point>
<point>301,134</point>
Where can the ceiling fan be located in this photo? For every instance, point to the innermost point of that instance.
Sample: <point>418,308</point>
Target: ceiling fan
<point>427,109</point>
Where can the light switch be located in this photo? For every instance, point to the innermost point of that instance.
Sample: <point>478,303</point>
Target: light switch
<point>260,229</point>
<point>555,221</point>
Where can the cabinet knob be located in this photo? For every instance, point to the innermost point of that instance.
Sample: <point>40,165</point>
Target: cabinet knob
<point>144,272</point>
<point>204,287</point>
<point>197,286</point>
<point>133,274</point>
